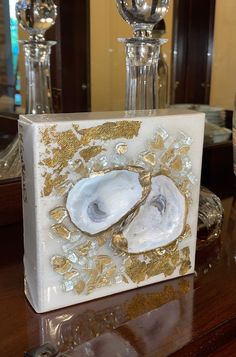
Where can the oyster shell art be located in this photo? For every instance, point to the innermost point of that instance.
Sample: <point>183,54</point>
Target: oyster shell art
<point>159,222</point>
<point>97,203</point>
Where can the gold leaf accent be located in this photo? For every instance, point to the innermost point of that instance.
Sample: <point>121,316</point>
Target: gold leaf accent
<point>184,150</point>
<point>90,289</point>
<point>143,303</point>
<point>76,127</point>
<point>92,275</point>
<point>71,274</point>
<point>111,131</point>
<point>83,249</point>
<point>158,144</point>
<point>145,179</point>
<point>186,252</point>
<point>169,154</point>
<point>121,148</point>
<point>125,280</point>
<point>79,287</point>
<point>102,281</point>
<point>91,152</point>
<point>101,239</point>
<point>165,171</point>
<point>50,183</point>
<point>119,241</point>
<point>156,264</point>
<point>92,280</point>
<point>187,233</point>
<point>61,231</point>
<point>104,259</point>
<point>65,151</point>
<point>185,267</point>
<point>161,251</point>
<point>153,269</point>
<point>135,269</point>
<point>111,272</point>
<point>62,146</point>
<point>149,157</point>
<point>46,135</point>
<point>183,186</point>
<point>177,164</point>
<point>184,286</point>
<point>81,169</point>
<point>168,269</point>
<point>175,258</point>
<point>172,246</point>
<point>59,214</point>
<point>60,264</point>
<point>63,188</point>
<point>99,267</point>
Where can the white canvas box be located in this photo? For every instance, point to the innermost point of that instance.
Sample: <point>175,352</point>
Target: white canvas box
<point>110,202</point>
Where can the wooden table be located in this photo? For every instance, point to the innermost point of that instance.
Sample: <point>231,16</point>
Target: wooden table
<point>189,316</point>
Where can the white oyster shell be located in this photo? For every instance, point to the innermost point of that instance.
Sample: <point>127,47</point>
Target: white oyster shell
<point>97,203</point>
<point>160,220</point>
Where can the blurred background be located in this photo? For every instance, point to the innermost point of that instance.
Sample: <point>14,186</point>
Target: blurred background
<point>88,64</point>
<point>200,54</point>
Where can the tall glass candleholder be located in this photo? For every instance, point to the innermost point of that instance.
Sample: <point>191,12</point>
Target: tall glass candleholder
<point>142,51</point>
<point>163,83</point>
<point>35,17</point>
<point>143,90</point>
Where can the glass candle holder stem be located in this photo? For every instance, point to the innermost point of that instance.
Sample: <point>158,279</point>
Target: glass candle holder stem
<point>142,55</point>
<point>37,64</point>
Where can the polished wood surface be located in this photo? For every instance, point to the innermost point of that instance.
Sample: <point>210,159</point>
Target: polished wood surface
<point>189,316</point>
<point>10,201</point>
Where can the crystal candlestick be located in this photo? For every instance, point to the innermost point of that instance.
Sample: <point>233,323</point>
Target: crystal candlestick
<point>142,51</point>
<point>163,90</point>
<point>35,17</point>
<point>143,90</point>
<point>37,64</point>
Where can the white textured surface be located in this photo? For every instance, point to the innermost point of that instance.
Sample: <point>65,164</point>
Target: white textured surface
<point>154,226</point>
<point>43,285</point>
<point>96,203</point>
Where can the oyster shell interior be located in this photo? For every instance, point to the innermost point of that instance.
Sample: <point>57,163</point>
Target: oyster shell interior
<point>160,220</point>
<point>97,203</point>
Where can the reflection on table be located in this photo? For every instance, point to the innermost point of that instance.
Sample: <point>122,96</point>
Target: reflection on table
<point>133,320</point>
<point>185,316</point>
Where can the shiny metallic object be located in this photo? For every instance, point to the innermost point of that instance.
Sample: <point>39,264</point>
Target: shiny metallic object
<point>142,15</point>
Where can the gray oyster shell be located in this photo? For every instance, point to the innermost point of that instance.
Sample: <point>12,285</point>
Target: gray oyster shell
<point>97,203</point>
<point>160,220</point>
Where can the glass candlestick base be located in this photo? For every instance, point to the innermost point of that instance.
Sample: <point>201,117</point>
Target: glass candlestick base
<point>37,64</point>
<point>35,17</point>
<point>142,55</point>
<point>10,165</point>
<point>210,217</point>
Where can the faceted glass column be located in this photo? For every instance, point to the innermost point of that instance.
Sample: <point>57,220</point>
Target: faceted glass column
<point>37,64</point>
<point>35,17</point>
<point>142,57</point>
<point>142,51</point>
